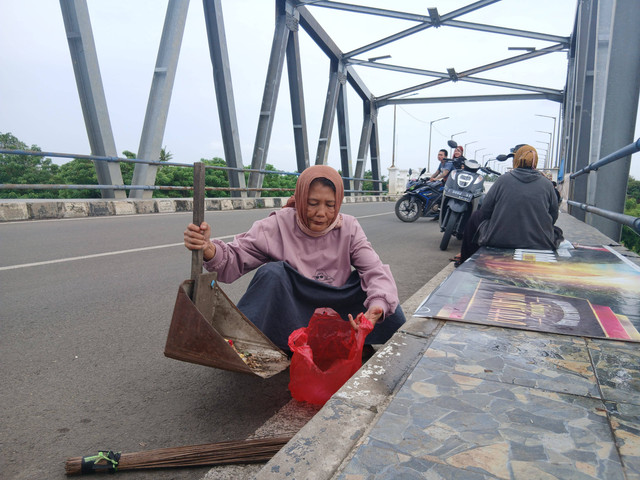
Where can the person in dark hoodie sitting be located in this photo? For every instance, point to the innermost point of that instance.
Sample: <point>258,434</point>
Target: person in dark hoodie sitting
<point>519,211</point>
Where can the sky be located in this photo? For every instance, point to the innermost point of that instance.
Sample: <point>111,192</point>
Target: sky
<point>40,103</point>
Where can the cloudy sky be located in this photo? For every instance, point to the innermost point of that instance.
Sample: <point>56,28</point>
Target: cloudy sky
<point>40,102</point>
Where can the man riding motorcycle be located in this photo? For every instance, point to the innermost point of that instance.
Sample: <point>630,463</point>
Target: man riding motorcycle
<point>443,169</point>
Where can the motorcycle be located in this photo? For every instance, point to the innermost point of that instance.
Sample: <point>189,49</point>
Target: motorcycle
<point>421,199</point>
<point>462,195</point>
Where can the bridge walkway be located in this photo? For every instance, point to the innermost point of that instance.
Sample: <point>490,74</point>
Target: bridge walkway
<point>445,399</point>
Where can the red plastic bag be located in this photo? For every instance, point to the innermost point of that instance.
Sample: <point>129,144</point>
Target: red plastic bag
<point>325,355</point>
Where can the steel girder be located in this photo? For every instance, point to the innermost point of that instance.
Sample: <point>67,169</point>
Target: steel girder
<point>155,119</point>
<point>75,14</point>
<point>619,110</point>
<point>224,92</point>
<point>586,36</point>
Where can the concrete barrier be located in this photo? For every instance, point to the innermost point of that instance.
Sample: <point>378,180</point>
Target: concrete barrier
<point>12,210</point>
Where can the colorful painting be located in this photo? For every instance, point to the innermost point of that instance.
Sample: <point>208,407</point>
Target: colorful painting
<point>585,291</point>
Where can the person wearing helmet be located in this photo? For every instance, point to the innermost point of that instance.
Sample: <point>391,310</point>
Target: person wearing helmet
<point>519,211</point>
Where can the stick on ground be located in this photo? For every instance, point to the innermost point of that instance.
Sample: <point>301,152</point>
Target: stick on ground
<point>238,451</point>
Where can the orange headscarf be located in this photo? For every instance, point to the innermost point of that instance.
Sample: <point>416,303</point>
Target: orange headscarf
<point>525,157</point>
<point>301,195</point>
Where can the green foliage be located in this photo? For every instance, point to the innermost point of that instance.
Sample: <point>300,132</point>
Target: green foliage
<point>630,238</point>
<point>126,169</point>
<point>274,180</point>
<point>384,186</point>
<point>77,172</point>
<point>633,189</point>
<point>23,169</point>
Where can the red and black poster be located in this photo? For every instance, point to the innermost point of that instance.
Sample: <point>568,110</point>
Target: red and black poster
<point>584,291</point>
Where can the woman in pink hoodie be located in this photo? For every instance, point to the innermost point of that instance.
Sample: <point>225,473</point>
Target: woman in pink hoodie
<point>311,256</point>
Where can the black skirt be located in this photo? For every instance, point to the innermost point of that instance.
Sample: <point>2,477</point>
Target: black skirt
<point>280,300</point>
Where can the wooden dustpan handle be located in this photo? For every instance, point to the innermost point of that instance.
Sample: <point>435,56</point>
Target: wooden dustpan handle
<point>198,215</point>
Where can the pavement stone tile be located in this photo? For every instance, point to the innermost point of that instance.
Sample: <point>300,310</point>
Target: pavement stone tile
<point>625,421</point>
<point>551,362</point>
<point>448,421</point>
<point>617,367</point>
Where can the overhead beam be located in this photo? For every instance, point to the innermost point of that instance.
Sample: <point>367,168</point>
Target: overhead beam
<point>471,98</point>
<point>508,31</point>
<point>484,68</point>
<point>328,46</point>
<point>428,23</point>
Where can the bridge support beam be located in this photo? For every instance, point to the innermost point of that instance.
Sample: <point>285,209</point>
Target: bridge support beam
<point>344,136</point>
<point>77,23</point>
<point>224,93</point>
<point>586,37</point>
<point>155,119</point>
<point>621,86</point>
<point>269,98</point>
<point>294,70</point>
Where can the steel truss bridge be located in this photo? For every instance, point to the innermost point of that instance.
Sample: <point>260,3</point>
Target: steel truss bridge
<point>599,103</point>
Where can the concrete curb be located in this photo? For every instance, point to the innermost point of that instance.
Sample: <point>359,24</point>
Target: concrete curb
<point>43,209</point>
<point>347,417</point>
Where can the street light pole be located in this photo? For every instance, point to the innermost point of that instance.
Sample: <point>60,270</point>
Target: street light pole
<point>474,153</point>
<point>553,141</point>
<point>393,150</point>
<point>465,145</point>
<point>459,133</point>
<point>429,151</point>
<point>549,143</point>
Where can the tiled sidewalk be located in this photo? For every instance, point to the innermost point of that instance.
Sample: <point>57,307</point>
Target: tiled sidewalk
<point>487,402</point>
<point>479,402</point>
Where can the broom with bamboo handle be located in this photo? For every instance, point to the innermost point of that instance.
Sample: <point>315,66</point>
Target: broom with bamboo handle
<point>210,454</point>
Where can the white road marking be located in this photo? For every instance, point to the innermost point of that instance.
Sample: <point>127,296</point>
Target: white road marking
<point>131,250</point>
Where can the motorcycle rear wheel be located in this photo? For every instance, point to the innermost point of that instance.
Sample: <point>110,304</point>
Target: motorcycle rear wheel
<point>408,209</point>
<point>452,220</point>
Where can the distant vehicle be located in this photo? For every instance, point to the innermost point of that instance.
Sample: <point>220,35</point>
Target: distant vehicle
<point>462,194</point>
<point>420,199</point>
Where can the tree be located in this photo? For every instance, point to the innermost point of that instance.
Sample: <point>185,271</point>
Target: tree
<point>78,171</point>
<point>24,169</point>
<point>273,180</point>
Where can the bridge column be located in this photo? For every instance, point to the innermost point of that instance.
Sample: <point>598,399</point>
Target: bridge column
<point>224,92</point>
<point>75,14</point>
<point>619,113</point>
<point>586,36</point>
<point>294,70</point>
<point>155,119</point>
<point>270,97</point>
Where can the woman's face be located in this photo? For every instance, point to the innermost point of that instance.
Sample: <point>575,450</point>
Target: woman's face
<point>321,206</point>
<point>457,152</point>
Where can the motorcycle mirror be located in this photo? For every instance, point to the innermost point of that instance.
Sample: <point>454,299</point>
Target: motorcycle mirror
<point>452,143</point>
<point>502,158</point>
<point>422,171</point>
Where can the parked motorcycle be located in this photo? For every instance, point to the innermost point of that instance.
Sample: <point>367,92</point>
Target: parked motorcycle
<point>461,197</point>
<point>420,199</point>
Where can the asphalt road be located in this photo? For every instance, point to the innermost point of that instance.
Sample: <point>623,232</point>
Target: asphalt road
<point>85,306</point>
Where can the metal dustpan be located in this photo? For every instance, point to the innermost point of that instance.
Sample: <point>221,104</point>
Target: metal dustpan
<point>204,319</point>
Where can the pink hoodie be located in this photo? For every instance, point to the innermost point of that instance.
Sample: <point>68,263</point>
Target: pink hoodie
<point>327,259</point>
